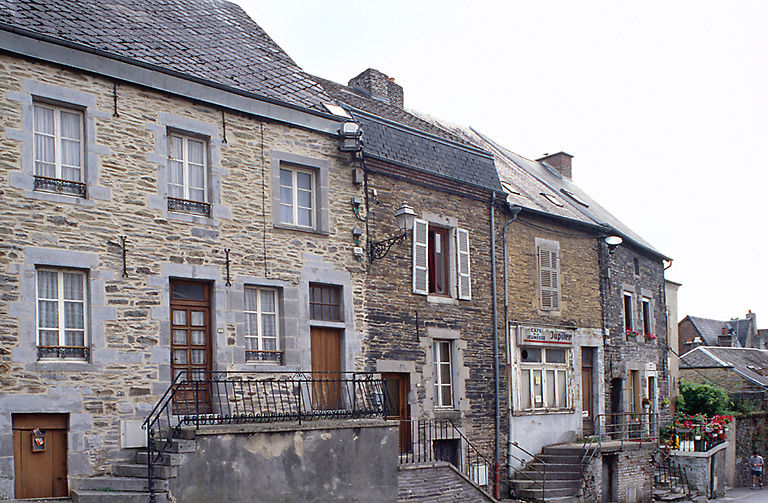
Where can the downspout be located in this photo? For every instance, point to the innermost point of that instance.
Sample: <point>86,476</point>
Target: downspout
<point>495,346</point>
<point>515,210</point>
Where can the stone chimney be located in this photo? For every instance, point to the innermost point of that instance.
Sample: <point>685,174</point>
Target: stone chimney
<point>560,162</point>
<point>379,86</point>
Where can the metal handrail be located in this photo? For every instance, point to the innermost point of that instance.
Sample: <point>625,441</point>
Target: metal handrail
<point>236,397</point>
<point>630,427</point>
<point>543,471</point>
<point>669,468</point>
<point>421,448</point>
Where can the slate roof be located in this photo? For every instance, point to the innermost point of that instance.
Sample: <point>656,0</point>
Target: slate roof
<point>213,40</point>
<point>750,363</point>
<point>393,134</point>
<point>710,330</point>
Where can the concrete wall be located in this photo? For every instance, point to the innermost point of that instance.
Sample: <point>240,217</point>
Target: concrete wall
<point>706,471</point>
<point>312,463</point>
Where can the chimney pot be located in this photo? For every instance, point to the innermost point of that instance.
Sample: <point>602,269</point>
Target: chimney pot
<point>560,162</point>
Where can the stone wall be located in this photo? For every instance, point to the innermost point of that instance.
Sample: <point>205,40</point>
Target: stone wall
<point>634,475</point>
<point>129,327</point>
<point>438,483</point>
<point>706,471</point>
<point>725,378</point>
<point>751,434</point>
<point>317,463</point>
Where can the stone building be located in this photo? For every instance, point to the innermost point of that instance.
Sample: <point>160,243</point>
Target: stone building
<point>169,204</point>
<point>695,331</point>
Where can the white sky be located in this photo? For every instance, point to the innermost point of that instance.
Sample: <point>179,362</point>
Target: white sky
<point>663,104</point>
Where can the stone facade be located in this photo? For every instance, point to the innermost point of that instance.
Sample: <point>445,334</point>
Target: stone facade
<point>128,320</point>
<point>751,435</point>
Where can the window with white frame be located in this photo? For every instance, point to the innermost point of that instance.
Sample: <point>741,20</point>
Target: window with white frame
<point>58,146</point>
<point>262,332</point>
<point>297,196</point>
<point>62,314</point>
<point>433,249</point>
<point>548,265</point>
<point>442,351</point>
<point>544,378</point>
<point>187,168</point>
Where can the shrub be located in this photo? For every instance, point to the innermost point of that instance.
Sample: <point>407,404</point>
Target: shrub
<point>702,399</point>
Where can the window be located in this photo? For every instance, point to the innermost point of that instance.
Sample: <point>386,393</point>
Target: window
<point>297,197</point>
<point>443,374</point>
<point>628,315</point>
<point>262,332</point>
<point>61,314</point>
<point>543,378</point>
<point>58,149</point>
<point>325,302</point>
<point>432,254</point>
<point>187,174</point>
<point>647,316</point>
<point>549,274</point>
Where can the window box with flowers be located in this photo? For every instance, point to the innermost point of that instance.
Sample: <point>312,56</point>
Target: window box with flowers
<point>650,338</point>
<point>631,334</point>
<point>700,433</point>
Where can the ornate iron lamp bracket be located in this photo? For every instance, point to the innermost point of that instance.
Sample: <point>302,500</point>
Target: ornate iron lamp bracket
<point>379,249</point>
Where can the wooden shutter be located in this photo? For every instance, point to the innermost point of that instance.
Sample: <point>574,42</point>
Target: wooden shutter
<point>462,264</point>
<point>549,286</point>
<point>420,256</point>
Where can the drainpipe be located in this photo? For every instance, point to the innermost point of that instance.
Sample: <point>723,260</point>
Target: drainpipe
<point>515,210</point>
<point>495,345</point>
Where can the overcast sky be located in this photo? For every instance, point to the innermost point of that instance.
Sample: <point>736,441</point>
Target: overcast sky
<point>663,105</point>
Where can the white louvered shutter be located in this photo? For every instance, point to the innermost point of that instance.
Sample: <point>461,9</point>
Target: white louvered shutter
<point>420,257</point>
<point>462,264</point>
<point>549,280</point>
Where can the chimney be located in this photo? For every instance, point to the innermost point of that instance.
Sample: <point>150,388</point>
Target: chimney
<point>723,330</point>
<point>379,86</point>
<point>560,162</point>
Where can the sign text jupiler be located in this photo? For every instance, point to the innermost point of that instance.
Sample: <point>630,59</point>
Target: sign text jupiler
<point>544,336</point>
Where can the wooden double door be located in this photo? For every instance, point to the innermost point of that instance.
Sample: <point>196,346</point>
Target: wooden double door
<point>191,348</point>
<point>40,455</point>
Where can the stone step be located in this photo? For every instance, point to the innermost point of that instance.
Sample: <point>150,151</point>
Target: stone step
<point>553,467</point>
<point>560,458</point>
<point>177,445</point>
<point>551,475</point>
<point>132,484</point>
<point>83,496</point>
<point>548,493</point>
<point>570,451</point>
<point>523,483</point>
<point>140,471</point>
<point>167,458</point>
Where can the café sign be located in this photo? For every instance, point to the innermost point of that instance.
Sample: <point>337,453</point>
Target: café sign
<point>540,336</point>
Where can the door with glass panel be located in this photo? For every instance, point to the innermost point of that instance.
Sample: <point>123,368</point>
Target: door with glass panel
<point>191,344</point>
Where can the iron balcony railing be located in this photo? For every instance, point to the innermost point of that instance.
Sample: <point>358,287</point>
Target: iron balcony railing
<point>628,427</point>
<point>198,398</point>
<point>432,440</point>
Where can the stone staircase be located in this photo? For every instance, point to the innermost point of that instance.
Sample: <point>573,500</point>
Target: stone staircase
<point>128,482</point>
<point>562,482</point>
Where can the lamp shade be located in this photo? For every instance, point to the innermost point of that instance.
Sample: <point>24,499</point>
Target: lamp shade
<point>405,216</point>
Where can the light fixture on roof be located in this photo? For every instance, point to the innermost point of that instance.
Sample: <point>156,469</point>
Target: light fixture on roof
<point>350,136</point>
<point>405,217</point>
<point>613,242</point>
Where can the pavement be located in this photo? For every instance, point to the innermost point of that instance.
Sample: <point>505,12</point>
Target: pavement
<point>745,495</point>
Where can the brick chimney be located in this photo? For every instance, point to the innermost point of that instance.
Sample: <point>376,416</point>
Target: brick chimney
<point>560,162</point>
<point>379,86</point>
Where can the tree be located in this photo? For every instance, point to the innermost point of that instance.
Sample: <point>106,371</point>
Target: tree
<point>702,399</point>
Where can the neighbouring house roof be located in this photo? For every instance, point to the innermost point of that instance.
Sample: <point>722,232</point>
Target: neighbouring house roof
<point>710,330</point>
<point>393,134</point>
<point>212,40</point>
<point>751,363</point>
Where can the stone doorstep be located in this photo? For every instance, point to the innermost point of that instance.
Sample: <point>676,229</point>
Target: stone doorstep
<point>126,484</point>
<point>115,497</point>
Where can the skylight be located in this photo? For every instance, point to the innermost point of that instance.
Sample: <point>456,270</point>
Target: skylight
<point>552,199</point>
<point>336,110</point>
<point>508,187</point>
<point>574,197</point>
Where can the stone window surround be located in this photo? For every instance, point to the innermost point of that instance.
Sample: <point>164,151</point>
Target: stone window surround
<point>450,223</point>
<point>629,290</point>
<point>287,301</point>
<point>552,245</point>
<point>32,91</point>
<point>25,310</point>
<point>169,123</point>
<point>460,373</point>
<point>321,168</point>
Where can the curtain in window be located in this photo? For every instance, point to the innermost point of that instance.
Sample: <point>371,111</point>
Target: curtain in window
<point>71,132</point>
<point>45,141</point>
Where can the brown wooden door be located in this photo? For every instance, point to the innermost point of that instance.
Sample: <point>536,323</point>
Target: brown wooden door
<point>326,368</point>
<point>191,347</point>
<point>41,473</point>
<point>587,400</point>
<point>398,385</point>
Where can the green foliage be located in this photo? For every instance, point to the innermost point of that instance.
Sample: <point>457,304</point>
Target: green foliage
<point>702,399</point>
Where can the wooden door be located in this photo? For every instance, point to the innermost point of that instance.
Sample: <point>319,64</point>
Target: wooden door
<point>40,470</point>
<point>191,347</point>
<point>587,400</point>
<point>398,385</point>
<point>326,368</point>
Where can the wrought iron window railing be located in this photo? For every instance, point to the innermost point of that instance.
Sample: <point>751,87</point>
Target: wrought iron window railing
<point>60,186</point>
<point>187,206</point>
<point>267,356</point>
<point>63,352</point>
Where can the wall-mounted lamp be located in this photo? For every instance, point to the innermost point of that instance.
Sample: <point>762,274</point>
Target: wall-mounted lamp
<point>350,136</point>
<point>404,216</point>
<point>613,242</point>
